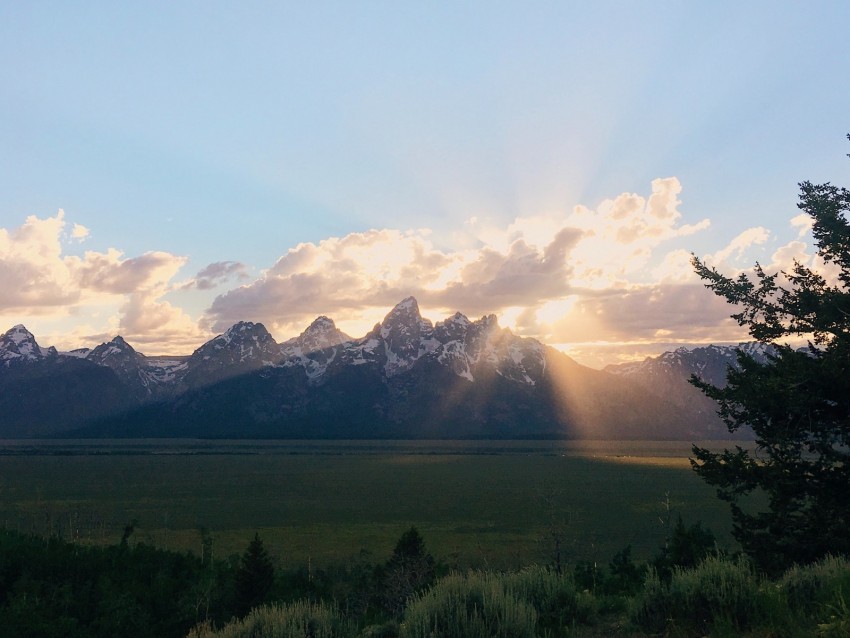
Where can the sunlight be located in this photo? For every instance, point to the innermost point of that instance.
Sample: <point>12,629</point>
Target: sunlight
<point>556,309</point>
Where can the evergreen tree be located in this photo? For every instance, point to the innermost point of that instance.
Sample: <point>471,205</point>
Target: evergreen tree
<point>254,578</point>
<point>687,547</point>
<point>798,404</point>
<point>409,570</point>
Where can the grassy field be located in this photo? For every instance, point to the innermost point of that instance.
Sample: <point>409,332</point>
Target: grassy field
<point>493,504</point>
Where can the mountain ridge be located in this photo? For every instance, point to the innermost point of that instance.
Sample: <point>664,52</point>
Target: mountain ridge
<point>406,378</point>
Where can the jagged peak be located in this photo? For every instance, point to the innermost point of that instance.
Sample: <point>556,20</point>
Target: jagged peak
<point>489,322</point>
<point>459,318</point>
<point>245,326</point>
<point>19,333</point>
<point>407,307</point>
<point>241,330</point>
<point>20,342</point>
<point>320,324</point>
<point>116,346</point>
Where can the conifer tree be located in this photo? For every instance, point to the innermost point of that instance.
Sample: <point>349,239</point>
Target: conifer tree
<point>254,578</point>
<point>798,403</point>
<point>409,570</point>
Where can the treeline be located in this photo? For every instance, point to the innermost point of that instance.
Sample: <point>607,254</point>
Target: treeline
<point>53,588</point>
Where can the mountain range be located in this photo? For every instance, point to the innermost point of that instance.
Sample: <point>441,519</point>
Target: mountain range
<point>407,378</point>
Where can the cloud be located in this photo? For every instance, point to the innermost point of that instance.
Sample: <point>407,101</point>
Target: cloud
<point>737,247</point>
<point>532,261</point>
<point>109,273</point>
<point>616,273</point>
<point>79,232</point>
<point>803,223</point>
<point>647,313</point>
<point>157,326</point>
<point>215,274</point>
<point>33,273</point>
<point>39,280</point>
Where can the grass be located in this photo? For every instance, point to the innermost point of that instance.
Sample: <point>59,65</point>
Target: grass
<point>477,504</point>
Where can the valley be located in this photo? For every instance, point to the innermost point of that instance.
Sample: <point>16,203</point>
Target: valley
<point>477,503</point>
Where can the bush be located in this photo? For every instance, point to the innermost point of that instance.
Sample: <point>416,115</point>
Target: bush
<point>718,593</point>
<point>817,594</point>
<point>553,596</point>
<point>295,620</point>
<point>471,606</point>
<point>531,602</point>
<point>810,587</point>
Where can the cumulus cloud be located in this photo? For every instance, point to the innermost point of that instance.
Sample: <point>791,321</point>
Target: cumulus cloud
<point>108,272</point>
<point>736,248</point>
<point>216,274</point>
<point>647,313</point>
<point>534,260</point>
<point>79,232</point>
<point>616,273</point>
<point>38,279</point>
<point>803,223</point>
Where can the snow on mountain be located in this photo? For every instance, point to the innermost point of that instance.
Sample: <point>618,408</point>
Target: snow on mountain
<point>243,347</point>
<point>166,370</point>
<point>315,348</point>
<point>709,363</point>
<point>406,378</point>
<point>130,366</point>
<point>19,345</point>
<point>668,374</point>
<point>404,339</point>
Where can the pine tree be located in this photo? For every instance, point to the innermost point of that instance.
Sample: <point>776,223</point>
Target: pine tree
<point>798,403</point>
<point>254,578</point>
<point>409,570</point>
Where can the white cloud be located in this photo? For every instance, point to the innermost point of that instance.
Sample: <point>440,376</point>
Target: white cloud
<point>737,247</point>
<point>531,265</point>
<point>79,232</point>
<point>39,280</point>
<point>803,223</point>
<point>616,273</point>
<point>216,274</point>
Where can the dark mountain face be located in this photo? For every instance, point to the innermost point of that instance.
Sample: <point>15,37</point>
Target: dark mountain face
<point>245,346</point>
<point>129,366</point>
<point>667,376</point>
<point>407,378</point>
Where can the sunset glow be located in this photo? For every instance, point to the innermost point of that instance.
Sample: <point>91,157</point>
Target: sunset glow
<point>501,161</point>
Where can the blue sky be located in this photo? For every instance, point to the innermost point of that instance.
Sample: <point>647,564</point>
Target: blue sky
<point>220,161</point>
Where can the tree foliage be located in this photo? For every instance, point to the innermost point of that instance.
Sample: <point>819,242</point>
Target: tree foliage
<point>254,578</point>
<point>798,403</point>
<point>409,570</point>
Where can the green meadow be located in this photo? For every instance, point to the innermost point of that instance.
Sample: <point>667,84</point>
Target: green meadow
<point>477,504</point>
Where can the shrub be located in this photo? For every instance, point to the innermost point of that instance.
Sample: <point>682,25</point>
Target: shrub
<point>471,606</point>
<point>810,587</point>
<point>294,620</point>
<point>718,593</point>
<point>554,597</point>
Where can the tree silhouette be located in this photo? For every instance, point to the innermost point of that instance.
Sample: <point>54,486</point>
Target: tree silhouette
<point>798,404</point>
<point>254,578</point>
<point>409,570</point>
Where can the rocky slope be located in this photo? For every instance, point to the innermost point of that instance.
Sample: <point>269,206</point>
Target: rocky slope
<point>406,378</point>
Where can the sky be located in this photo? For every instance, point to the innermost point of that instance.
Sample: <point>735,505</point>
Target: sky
<point>170,168</point>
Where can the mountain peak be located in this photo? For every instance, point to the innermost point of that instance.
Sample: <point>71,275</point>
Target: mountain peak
<point>117,344</point>
<point>321,324</point>
<point>19,334</point>
<point>19,343</point>
<point>320,334</point>
<point>407,307</point>
<point>242,327</point>
<point>119,341</point>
